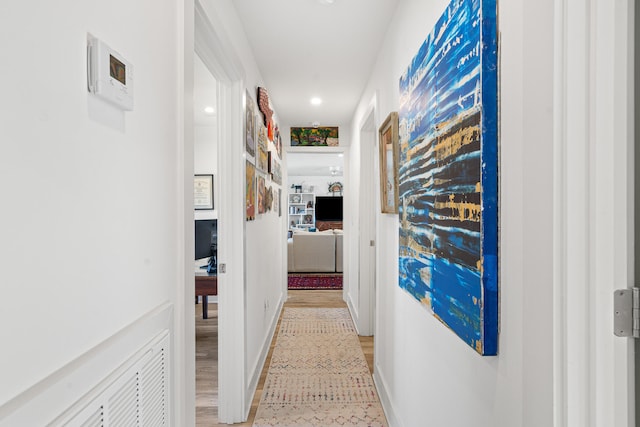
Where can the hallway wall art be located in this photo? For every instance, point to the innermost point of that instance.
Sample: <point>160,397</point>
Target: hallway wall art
<point>322,136</point>
<point>249,127</point>
<point>262,156</point>
<point>250,191</point>
<point>262,195</point>
<point>448,175</point>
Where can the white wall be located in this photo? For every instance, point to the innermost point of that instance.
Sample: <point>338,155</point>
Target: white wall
<point>425,373</point>
<point>320,183</point>
<point>89,225</point>
<point>205,149</point>
<point>264,238</point>
<point>266,278</point>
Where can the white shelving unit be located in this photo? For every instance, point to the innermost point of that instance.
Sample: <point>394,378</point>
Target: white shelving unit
<point>302,212</point>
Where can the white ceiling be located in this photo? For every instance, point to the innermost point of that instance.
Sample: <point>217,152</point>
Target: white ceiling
<point>307,48</point>
<point>298,164</point>
<point>315,164</point>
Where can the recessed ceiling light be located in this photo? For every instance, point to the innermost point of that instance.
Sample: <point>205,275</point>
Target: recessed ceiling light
<point>335,170</point>
<point>340,155</point>
<point>326,1</point>
<point>316,101</point>
<point>209,110</point>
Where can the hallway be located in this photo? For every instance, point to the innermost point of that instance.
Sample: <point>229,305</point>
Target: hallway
<point>207,345</point>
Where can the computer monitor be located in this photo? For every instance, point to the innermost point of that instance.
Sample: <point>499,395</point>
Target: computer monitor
<point>206,239</point>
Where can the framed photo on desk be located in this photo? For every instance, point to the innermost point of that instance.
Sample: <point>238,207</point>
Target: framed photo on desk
<point>203,192</point>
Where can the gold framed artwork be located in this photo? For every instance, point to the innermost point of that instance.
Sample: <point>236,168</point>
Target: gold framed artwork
<point>250,192</point>
<point>250,125</point>
<point>262,157</point>
<point>262,195</point>
<point>389,151</point>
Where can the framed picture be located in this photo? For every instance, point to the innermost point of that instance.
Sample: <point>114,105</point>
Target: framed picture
<point>276,172</point>
<point>250,124</point>
<point>279,202</point>
<point>269,198</point>
<point>277,141</point>
<point>389,164</point>
<point>250,192</point>
<point>203,192</point>
<point>262,195</point>
<point>321,136</point>
<point>262,156</point>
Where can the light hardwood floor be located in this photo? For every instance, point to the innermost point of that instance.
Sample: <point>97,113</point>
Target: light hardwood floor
<point>207,354</point>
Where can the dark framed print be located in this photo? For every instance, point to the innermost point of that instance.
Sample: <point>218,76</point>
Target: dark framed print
<point>203,192</point>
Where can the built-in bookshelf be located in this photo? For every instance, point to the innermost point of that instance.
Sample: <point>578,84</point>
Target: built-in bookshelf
<point>302,210</point>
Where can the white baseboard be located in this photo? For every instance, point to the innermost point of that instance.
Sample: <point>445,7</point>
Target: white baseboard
<point>257,368</point>
<point>385,399</point>
<point>353,312</point>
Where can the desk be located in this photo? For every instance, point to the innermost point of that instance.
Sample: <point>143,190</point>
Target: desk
<point>206,284</point>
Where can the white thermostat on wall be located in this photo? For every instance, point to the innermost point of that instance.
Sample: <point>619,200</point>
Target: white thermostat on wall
<point>109,75</point>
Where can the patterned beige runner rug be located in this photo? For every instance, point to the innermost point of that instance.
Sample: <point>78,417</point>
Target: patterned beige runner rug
<point>318,375</point>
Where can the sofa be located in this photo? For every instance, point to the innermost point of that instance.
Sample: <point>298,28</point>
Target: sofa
<point>315,252</point>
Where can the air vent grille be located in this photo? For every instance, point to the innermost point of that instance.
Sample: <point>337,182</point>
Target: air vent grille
<point>135,395</point>
<point>96,419</point>
<point>124,404</point>
<point>154,391</point>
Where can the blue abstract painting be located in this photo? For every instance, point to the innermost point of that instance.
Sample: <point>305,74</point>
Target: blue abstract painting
<point>448,177</point>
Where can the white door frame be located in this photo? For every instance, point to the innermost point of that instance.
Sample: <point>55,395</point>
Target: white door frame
<point>214,50</point>
<point>593,210</point>
<point>361,300</point>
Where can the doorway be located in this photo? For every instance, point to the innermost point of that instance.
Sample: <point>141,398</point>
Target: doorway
<point>594,218</point>
<point>313,173</point>
<point>361,291</point>
<point>226,69</point>
<point>636,190</point>
<point>205,168</point>
<point>314,202</point>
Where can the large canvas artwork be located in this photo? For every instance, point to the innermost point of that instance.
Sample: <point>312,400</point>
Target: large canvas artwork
<point>448,176</point>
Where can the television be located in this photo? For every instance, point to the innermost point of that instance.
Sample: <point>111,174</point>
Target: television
<point>206,238</point>
<point>328,208</point>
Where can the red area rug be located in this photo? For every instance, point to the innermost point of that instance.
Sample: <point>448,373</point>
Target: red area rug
<point>315,281</point>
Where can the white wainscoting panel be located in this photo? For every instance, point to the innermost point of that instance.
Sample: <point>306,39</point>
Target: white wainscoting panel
<point>123,381</point>
<point>136,395</point>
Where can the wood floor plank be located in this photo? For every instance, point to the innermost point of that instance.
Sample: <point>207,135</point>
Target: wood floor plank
<point>207,354</point>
